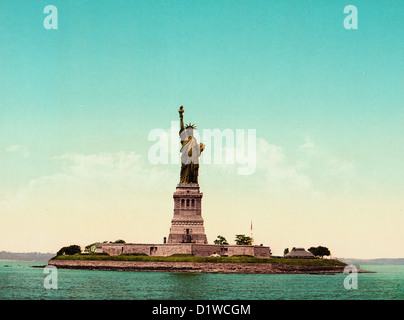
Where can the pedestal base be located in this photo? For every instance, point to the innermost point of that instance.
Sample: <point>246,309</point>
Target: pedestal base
<point>187,223</point>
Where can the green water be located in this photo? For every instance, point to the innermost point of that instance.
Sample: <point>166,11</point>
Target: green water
<point>19,280</point>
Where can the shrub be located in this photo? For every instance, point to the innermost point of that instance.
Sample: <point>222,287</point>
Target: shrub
<point>70,250</point>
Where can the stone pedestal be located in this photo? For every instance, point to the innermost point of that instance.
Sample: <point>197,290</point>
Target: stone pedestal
<point>187,223</point>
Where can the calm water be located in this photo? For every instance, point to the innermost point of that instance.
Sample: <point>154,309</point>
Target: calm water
<point>19,280</point>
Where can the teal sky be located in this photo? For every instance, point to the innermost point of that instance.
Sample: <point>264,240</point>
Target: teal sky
<point>114,70</point>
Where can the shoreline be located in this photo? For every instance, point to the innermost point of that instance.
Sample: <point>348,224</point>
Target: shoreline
<point>197,267</point>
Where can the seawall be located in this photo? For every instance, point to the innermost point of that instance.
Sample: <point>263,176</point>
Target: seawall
<point>192,267</point>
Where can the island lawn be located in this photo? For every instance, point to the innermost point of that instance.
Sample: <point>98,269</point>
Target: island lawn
<point>191,258</point>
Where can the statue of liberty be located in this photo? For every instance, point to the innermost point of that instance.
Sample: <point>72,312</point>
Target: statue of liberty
<point>190,152</point>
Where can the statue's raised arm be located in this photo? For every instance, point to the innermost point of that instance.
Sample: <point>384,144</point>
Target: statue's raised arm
<point>181,112</point>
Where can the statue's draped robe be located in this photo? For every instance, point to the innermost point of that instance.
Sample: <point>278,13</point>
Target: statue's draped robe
<point>190,153</point>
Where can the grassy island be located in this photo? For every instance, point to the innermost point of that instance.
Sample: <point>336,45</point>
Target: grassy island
<point>193,259</point>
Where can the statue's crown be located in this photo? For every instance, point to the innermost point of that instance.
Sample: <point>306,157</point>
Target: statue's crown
<point>190,126</point>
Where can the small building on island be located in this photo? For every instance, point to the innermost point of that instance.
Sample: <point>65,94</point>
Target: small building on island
<point>299,253</point>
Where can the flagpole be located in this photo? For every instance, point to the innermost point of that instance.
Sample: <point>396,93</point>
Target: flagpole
<point>251,233</point>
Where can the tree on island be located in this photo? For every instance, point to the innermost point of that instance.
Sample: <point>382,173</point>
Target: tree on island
<point>319,251</point>
<point>242,239</point>
<point>286,251</point>
<point>220,240</point>
<point>91,248</point>
<point>70,250</point>
<point>116,241</point>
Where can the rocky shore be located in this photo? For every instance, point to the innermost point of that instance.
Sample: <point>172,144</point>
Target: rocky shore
<point>191,267</point>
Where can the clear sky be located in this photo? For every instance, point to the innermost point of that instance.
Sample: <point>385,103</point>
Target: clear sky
<point>77,105</point>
